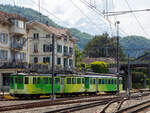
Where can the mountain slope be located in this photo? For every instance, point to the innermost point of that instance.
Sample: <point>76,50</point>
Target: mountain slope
<point>135,42</point>
<point>33,15</point>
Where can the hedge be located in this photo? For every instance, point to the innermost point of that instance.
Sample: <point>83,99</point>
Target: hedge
<point>99,67</point>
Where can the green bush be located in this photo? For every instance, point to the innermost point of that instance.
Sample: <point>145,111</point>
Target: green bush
<point>99,67</point>
<point>83,65</point>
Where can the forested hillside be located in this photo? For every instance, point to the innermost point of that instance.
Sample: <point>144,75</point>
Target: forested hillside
<point>135,42</point>
<point>33,15</point>
<point>130,42</point>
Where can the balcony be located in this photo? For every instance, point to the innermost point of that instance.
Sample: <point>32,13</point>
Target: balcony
<point>18,31</point>
<point>68,54</point>
<point>16,46</point>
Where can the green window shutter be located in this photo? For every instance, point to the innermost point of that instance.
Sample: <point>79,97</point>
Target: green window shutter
<point>44,48</point>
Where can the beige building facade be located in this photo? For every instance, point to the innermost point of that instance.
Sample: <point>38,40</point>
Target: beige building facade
<point>40,42</point>
<point>13,45</point>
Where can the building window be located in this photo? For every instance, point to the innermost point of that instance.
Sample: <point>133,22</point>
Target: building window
<point>70,62</point>
<point>3,37</point>
<point>35,48</point>
<point>65,39</point>
<point>65,62</point>
<point>36,36</point>
<point>59,48</point>
<point>20,24</point>
<point>47,48</point>
<point>46,59</point>
<point>48,35</point>
<point>3,54</point>
<point>58,60</point>
<point>65,49</point>
<point>35,60</point>
<point>70,50</point>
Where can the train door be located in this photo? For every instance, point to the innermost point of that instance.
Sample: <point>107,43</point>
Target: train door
<point>62,85</point>
<point>20,84</point>
<point>87,84</point>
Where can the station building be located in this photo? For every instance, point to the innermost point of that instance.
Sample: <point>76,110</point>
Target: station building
<point>13,46</point>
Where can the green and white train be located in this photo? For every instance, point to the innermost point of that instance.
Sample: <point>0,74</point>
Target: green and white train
<point>35,85</point>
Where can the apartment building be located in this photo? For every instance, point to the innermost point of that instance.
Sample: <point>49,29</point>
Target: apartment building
<point>40,41</point>
<point>13,45</point>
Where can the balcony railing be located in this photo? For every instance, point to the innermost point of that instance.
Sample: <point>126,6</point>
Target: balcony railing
<point>68,54</point>
<point>16,46</point>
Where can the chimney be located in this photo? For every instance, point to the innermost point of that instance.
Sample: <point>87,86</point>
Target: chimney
<point>47,23</point>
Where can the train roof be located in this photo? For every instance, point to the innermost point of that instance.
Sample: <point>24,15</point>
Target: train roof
<point>63,75</point>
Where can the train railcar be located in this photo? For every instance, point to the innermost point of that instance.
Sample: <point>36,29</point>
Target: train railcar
<point>35,85</point>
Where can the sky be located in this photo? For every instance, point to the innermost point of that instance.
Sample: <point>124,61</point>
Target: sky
<point>75,14</point>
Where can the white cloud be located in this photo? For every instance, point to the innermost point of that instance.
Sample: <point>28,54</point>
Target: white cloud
<point>70,15</point>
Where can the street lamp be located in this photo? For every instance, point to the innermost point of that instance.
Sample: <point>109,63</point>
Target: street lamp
<point>117,55</point>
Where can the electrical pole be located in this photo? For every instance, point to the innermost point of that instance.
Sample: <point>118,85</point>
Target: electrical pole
<point>128,79</point>
<point>53,68</point>
<point>117,56</point>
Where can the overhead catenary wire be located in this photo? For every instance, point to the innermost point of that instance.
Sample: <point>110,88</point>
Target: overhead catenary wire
<point>137,19</point>
<point>101,14</point>
<point>85,14</point>
<point>50,13</point>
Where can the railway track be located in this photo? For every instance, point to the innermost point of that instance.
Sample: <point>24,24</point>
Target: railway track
<point>136,108</point>
<point>65,101</point>
<point>80,107</point>
<point>51,103</point>
<point>90,105</point>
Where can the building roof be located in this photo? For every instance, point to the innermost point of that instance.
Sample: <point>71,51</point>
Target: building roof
<point>4,17</point>
<point>59,32</point>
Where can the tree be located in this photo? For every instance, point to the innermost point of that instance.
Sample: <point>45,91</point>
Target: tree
<point>102,46</point>
<point>78,55</point>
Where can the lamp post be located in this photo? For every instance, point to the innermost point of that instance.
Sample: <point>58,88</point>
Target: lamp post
<point>53,68</point>
<point>117,55</point>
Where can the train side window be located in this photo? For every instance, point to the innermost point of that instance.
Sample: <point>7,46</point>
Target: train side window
<point>90,80</point>
<point>57,80</point>
<point>38,80</point>
<point>11,80</point>
<point>78,81</point>
<point>83,81</point>
<point>112,81</point>
<point>100,81</point>
<point>50,80</point>
<point>26,81</point>
<point>109,82</point>
<point>93,81</point>
<point>20,80</point>
<point>45,80</point>
<point>106,81</point>
<point>34,80</point>
<point>16,80</point>
<point>73,80</point>
<point>68,80</point>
